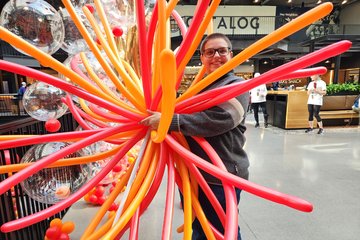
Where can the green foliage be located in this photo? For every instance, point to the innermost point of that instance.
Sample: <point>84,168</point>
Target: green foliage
<point>343,88</point>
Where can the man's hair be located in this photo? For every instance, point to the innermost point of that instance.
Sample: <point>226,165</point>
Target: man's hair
<point>214,36</point>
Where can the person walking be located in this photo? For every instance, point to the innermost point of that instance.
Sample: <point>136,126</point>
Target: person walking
<point>223,126</point>
<point>315,90</point>
<point>258,99</point>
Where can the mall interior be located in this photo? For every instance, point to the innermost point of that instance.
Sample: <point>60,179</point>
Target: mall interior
<point>319,169</point>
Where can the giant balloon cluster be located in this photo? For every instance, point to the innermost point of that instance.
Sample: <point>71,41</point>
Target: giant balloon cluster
<point>120,67</point>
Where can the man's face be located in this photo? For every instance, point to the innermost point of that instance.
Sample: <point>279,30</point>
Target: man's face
<point>314,77</point>
<point>213,63</point>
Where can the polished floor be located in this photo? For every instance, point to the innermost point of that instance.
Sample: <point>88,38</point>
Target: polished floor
<point>323,169</point>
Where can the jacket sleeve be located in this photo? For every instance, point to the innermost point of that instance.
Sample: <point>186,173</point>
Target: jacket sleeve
<point>213,121</point>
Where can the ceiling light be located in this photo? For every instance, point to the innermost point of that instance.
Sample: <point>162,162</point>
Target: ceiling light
<point>327,61</point>
<point>289,1</point>
<point>256,1</point>
<point>318,2</point>
<point>343,2</point>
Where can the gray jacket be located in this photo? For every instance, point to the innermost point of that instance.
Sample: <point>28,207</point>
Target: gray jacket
<point>223,126</point>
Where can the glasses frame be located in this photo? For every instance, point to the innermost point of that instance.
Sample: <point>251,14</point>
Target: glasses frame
<point>216,50</point>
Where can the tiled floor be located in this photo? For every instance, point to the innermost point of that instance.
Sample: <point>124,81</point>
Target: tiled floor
<point>323,169</point>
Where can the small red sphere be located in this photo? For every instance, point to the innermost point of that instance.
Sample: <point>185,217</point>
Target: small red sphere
<point>53,232</point>
<point>52,125</point>
<point>64,236</point>
<point>93,199</point>
<point>117,31</point>
<point>90,7</point>
<point>100,190</point>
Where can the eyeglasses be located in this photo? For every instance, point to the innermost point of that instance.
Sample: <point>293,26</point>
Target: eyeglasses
<point>210,52</point>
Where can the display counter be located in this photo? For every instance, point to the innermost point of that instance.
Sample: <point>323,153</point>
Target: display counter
<point>287,109</point>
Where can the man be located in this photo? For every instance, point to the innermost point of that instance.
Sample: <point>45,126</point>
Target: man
<point>316,91</point>
<point>223,126</point>
<point>258,99</point>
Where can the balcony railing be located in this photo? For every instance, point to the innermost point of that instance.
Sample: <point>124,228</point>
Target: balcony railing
<point>10,107</point>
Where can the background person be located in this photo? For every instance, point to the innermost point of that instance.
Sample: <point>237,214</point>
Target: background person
<point>316,90</point>
<point>223,126</point>
<point>21,90</point>
<point>258,99</point>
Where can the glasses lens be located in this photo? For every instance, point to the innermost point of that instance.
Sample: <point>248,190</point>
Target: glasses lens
<point>223,51</point>
<point>209,52</point>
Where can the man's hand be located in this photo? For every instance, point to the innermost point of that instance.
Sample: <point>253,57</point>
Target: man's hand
<point>152,121</point>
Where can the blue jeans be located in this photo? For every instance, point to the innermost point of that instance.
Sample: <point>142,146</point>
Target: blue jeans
<point>198,233</point>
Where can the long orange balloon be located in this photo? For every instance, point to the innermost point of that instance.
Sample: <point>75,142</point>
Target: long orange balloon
<point>273,37</point>
<point>129,212</point>
<point>168,81</point>
<point>63,162</point>
<point>113,195</point>
<point>132,93</point>
<point>46,60</point>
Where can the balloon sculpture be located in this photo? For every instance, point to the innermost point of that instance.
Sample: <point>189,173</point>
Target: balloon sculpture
<point>102,86</point>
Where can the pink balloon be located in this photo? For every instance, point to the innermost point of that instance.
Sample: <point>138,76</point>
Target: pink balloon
<point>180,22</point>
<point>16,68</point>
<point>207,190</point>
<point>37,166</point>
<point>186,105</point>
<point>231,225</point>
<point>233,90</point>
<point>47,138</point>
<point>46,213</point>
<point>264,192</point>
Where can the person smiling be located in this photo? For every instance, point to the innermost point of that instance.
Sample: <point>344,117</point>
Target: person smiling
<point>223,126</point>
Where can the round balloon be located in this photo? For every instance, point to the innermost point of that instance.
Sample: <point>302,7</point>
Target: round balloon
<point>51,185</point>
<point>73,41</point>
<point>36,22</point>
<point>43,101</point>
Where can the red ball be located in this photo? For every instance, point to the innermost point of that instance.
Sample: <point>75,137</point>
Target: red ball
<point>52,125</point>
<point>64,236</point>
<point>53,233</point>
<point>98,41</point>
<point>99,191</point>
<point>93,198</point>
<point>101,200</point>
<point>117,168</point>
<point>117,31</point>
<point>113,207</point>
<point>90,7</point>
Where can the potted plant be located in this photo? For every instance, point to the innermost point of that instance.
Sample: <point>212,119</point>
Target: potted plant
<point>343,89</point>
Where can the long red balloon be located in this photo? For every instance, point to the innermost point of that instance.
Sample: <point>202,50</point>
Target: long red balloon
<point>264,192</point>
<point>48,212</point>
<point>233,90</point>
<point>37,166</point>
<point>33,73</point>
<point>203,97</point>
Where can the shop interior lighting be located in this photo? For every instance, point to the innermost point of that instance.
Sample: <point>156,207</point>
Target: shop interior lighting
<point>343,2</point>
<point>318,2</point>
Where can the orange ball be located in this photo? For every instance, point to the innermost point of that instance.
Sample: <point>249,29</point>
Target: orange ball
<point>68,227</point>
<point>56,222</point>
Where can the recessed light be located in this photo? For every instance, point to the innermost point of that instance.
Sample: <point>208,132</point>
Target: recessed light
<point>318,2</point>
<point>343,2</point>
